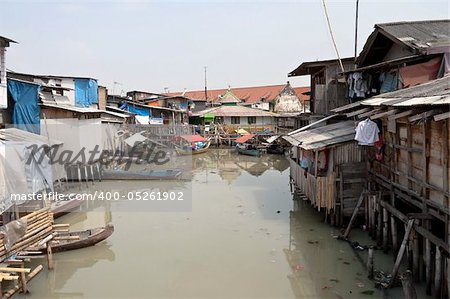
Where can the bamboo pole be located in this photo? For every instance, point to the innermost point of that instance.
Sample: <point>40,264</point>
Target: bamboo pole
<point>401,251</point>
<point>16,288</point>
<point>394,226</point>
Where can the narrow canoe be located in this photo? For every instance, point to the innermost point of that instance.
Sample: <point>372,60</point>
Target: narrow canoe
<point>86,238</point>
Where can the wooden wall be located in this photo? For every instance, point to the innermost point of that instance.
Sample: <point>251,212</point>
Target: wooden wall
<point>416,158</point>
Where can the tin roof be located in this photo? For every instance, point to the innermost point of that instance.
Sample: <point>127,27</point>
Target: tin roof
<point>311,67</point>
<point>322,137</point>
<point>420,37</point>
<point>244,138</point>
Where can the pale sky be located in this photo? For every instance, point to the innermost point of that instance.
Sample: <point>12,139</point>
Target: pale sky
<point>152,45</point>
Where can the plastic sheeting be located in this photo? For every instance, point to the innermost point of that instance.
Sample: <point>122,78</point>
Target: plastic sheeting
<point>136,109</point>
<point>13,231</point>
<point>86,92</point>
<point>22,172</point>
<point>26,111</point>
<point>420,73</point>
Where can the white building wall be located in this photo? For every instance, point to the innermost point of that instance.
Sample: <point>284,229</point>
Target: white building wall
<point>260,120</point>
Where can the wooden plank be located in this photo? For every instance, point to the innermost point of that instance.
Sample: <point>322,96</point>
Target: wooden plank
<point>355,212</point>
<point>425,233</point>
<point>442,116</point>
<point>401,251</point>
<point>383,114</point>
<point>400,115</point>
<point>357,112</point>
<point>423,115</point>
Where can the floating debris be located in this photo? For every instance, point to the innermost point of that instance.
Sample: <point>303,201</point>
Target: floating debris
<point>368,292</point>
<point>334,280</point>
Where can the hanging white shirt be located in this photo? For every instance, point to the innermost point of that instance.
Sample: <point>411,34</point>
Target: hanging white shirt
<point>367,132</point>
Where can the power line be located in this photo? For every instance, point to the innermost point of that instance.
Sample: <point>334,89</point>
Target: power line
<point>332,36</point>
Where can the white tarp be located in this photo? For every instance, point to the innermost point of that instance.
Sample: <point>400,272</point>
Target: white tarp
<point>22,171</point>
<point>3,97</point>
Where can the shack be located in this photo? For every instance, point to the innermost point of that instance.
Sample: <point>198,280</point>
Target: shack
<point>411,177</point>
<point>328,167</point>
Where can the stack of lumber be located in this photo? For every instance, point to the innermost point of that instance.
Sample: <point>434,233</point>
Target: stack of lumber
<point>39,229</point>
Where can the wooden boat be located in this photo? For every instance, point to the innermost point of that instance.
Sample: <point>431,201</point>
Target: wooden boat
<point>79,239</point>
<point>275,149</point>
<point>190,151</point>
<point>112,174</point>
<point>246,149</point>
<point>62,207</point>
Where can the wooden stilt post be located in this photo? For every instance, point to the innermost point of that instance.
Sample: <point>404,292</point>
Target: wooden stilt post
<point>379,221</point>
<point>428,266</point>
<point>355,213</point>
<point>370,262</point>
<point>373,217</point>
<point>437,273</point>
<point>394,226</point>
<point>416,257</point>
<point>385,229</point>
<point>408,285</point>
<point>401,251</point>
<point>49,256</point>
<point>23,280</point>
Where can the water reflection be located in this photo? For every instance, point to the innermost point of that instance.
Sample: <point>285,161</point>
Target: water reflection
<point>230,165</point>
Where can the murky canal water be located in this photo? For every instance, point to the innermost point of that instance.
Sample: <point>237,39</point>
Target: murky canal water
<point>242,239</point>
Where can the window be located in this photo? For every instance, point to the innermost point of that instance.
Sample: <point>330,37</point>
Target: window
<point>251,120</point>
<point>235,120</point>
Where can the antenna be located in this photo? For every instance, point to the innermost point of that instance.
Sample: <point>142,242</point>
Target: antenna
<point>206,89</point>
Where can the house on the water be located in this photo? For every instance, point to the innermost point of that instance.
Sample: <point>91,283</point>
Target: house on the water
<point>4,43</point>
<point>398,94</point>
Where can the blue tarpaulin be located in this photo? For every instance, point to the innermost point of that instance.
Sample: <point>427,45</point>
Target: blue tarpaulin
<point>86,92</point>
<point>136,109</point>
<point>26,111</point>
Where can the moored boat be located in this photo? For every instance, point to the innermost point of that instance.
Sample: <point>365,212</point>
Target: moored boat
<point>248,150</point>
<point>80,239</point>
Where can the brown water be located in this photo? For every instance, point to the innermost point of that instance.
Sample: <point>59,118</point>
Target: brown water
<point>242,239</point>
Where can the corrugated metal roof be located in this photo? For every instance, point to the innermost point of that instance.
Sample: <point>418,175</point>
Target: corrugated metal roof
<point>436,92</point>
<point>311,67</point>
<point>322,137</point>
<point>419,34</point>
<point>13,134</point>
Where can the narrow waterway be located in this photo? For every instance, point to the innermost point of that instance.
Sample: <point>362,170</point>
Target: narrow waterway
<point>244,238</point>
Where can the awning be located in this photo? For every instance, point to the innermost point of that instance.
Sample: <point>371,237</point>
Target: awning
<point>244,138</point>
<point>242,132</point>
<point>193,138</point>
<point>272,138</point>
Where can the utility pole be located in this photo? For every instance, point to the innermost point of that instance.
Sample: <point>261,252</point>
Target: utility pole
<point>356,30</point>
<point>206,89</point>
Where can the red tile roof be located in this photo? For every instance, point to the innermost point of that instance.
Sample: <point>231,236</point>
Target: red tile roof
<point>247,94</point>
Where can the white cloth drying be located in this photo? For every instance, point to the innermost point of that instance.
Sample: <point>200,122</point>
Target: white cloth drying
<point>367,132</point>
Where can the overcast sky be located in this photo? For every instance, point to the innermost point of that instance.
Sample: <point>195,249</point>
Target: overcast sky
<point>152,45</point>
